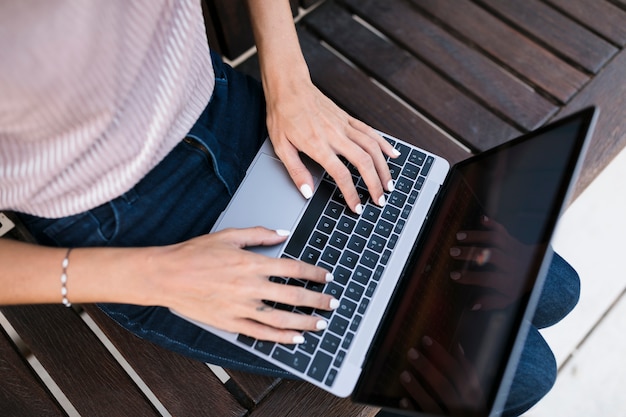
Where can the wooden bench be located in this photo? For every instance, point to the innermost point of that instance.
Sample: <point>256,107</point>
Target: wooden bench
<point>453,76</point>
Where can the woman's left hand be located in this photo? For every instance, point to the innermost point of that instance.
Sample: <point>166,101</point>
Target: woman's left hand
<point>305,120</point>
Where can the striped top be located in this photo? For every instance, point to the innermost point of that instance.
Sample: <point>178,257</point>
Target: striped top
<point>94,94</point>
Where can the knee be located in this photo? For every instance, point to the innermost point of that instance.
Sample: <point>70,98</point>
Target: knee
<point>560,294</point>
<point>535,375</point>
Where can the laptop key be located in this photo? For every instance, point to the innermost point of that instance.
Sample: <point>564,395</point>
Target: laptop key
<point>319,366</point>
<point>264,347</point>
<point>330,343</point>
<point>333,289</point>
<point>296,360</point>
<point>355,291</point>
<point>333,210</point>
<point>313,212</point>
<point>362,274</point>
<point>357,244</point>
<point>331,255</point>
<point>346,224</point>
<point>310,344</point>
<point>417,157</point>
<point>339,325</point>
<point>346,308</point>
<point>363,228</point>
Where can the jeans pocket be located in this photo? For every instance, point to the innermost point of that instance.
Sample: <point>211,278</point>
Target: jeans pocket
<point>92,228</point>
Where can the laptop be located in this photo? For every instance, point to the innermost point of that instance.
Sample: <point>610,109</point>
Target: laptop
<point>437,287</point>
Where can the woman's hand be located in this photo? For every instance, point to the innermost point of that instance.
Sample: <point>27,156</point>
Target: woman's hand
<point>214,280</point>
<point>302,119</point>
<point>493,260</point>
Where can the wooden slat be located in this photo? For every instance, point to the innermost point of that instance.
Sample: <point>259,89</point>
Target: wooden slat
<point>359,96</point>
<point>558,31</point>
<point>230,22</point>
<point>21,391</point>
<point>608,91</point>
<point>297,399</point>
<point>517,52</point>
<point>353,91</point>
<point>470,70</point>
<point>410,79</point>
<point>603,17</point>
<point>80,365</point>
<point>253,387</point>
<point>184,386</point>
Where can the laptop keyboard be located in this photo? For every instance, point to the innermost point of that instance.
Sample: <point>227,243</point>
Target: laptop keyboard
<point>356,250</point>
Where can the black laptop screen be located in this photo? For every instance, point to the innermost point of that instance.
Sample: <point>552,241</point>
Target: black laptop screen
<point>450,330</point>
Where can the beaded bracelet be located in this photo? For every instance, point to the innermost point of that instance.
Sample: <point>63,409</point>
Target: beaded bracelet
<point>65,264</point>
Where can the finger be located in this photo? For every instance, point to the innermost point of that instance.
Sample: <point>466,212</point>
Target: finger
<point>264,332</point>
<point>291,268</point>
<point>280,319</point>
<point>296,169</point>
<point>343,178</point>
<point>492,302</point>
<point>486,279</point>
<point>253,236</point>
<point>298,296</point>
<point>446,380</point>
<point>372,165</point>
<point>385,146</point>
<point>418,394</point>
<point>470,390</point>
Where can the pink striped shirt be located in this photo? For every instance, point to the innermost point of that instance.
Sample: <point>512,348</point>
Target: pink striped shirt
<point>93,95</point>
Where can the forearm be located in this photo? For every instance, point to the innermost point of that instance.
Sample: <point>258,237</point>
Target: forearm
<point>31,274</point>
<point>280,56</point>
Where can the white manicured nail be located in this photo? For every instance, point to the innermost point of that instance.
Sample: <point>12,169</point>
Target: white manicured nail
<point>306,191</point>
<point>391,186</point>
<point>381,200</point>
<point>283,232</point>
<point>321,325</point>
<point>358,209</point>
<point>329,277</point>
<point>298,340</point>
<point>396,152</point>
<point>334,303</point>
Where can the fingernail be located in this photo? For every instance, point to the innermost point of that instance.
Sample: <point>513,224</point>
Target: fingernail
<point>282,232</point>
<point>321,325</point>
<point>455,251</point>
<point>396,152</point>
<point>406,377</point>
<point>391,186</point>
<point>298,339</point>
<point>358,209</point>
<point>334,303</point>
<point>381,200</point>
<point>477,307</point>
<point>461,236</point>
<point>455,275</point>
<point>413,354</point>
<point>329,277</point>
<point>306,191</point>
<point>427,341</point>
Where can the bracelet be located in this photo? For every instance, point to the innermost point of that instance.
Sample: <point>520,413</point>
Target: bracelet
<point>65,264</point>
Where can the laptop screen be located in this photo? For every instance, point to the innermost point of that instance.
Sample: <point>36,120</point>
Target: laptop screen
<point>445,341</point>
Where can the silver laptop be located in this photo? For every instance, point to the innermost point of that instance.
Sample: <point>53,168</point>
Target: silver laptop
<point>436,288</point>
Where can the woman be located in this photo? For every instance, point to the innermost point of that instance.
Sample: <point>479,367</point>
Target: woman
<point>108,146</point>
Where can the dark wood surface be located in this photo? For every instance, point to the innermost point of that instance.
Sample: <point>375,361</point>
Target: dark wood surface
<point>453,76</point>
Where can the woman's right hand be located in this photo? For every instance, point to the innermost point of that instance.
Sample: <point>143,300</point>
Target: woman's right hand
<point>214,280</point>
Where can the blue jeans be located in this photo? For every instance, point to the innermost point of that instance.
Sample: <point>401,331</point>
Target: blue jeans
<point>183,196</point>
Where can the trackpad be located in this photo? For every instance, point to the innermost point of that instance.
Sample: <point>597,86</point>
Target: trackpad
<point>267,197</point>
